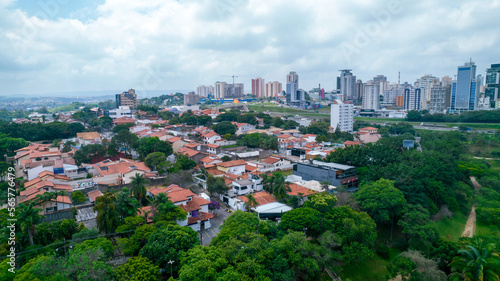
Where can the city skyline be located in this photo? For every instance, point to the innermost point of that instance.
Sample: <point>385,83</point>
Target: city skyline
<point>51,47</point>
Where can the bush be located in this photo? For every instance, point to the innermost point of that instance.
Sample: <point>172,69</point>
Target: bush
<point>78,197</point>
<point>401,244</point>
<point>383,251</point>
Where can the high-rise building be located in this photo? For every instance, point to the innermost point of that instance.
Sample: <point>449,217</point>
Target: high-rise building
<point>464,91</point>
<point>233,92</point>
<point>381,84</point>
<point>391,94</point>
<point>412,98</point>
<point>359,90</point>
<point>347,84</point>
<point>399,101</point>
<point>492,83</point>
<point>127,99</point>
<point>219,90</point>
<point>273,88</point>
<point>258,87</point>
<point>191,99</point>
<point>291,89</point>
<point>370,96</point>
<point>440,98</point>
<point>426,83</point>
<point>342,116</point>
<point>205,91</point>
<point>446,80</point>
<point>292,77</point>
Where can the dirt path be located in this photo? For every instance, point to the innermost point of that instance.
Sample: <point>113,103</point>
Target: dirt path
<point>470,226</point>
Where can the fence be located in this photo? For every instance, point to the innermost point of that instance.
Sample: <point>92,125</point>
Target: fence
<point>279,168</point>
<point>58,215</point>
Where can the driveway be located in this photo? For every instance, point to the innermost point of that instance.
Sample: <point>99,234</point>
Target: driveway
<point>219,216</point>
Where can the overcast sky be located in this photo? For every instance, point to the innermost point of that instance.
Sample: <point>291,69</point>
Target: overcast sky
<point>51,46</point>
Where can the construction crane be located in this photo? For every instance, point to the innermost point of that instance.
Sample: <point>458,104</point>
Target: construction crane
<point>234,76</point>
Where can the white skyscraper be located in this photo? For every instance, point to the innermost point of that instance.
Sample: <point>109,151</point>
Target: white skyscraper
<point>370,96</point>
<point>342,116</point>
<point>205,91</point>
<point>219,89</point>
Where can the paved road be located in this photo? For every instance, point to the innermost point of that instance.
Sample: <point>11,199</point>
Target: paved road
<point>219,216</point>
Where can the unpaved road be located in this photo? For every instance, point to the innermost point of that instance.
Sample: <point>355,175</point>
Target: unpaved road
<point>470,226</point>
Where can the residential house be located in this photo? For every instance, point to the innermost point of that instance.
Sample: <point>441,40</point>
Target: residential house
<point>210,137</point>
<point>243,128</point>
<point>368,135</point>
<point>196,206</point>
<point>86,138</point>
<point>236,167</point>
<point>119,172</point>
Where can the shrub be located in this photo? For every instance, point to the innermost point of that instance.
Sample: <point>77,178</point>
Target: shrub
<point>78,197</point>
<point>383,251</point>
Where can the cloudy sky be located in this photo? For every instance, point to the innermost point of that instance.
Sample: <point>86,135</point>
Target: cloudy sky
<point>52,46</point>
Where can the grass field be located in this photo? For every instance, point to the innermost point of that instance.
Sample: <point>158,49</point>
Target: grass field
<point>452,228</point>
<point>485,230</point>
<point>374,269</point>
<point>286,110</point>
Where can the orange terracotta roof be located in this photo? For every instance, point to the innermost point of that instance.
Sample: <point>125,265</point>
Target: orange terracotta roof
<point>29,191</point>
<point>94,194</point>
<point>296,189</point>
<point>213,145</point>
<point>215,172</point>
<point>231,176</point>
<point>209,134</point>
<point>190,206</point>
<point>352,143</point>
<point>63,199</point>
<point>173,139</point>
<point>32,196</point>
<point>262,198</point>
<point>88,135</point>
<point>202,216</point>
<point>369,129</point>
<point>191,145</point>
<point>146,209</point>
<point>32,182</point>
<point>210,159</point>
<point>232,163</point>
<point>285,136</point>
<point>189,152</point>
<point>228,181</point>
<point>270,160</point>
<point>40,154</point>
<point>21,155</point>
<point>250,168</point>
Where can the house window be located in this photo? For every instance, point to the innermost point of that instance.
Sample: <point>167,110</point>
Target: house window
<point>51,209</point>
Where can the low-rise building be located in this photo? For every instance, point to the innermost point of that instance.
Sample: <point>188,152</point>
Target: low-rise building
<point>336,174</point>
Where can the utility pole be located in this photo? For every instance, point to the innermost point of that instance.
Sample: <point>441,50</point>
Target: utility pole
<point>170,262</point>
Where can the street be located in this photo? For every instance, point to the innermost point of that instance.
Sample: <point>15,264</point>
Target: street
<point>219,216</point>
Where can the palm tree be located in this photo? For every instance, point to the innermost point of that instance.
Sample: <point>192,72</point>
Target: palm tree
<point>161,205</point>
<point>29,216</point>
<point>138,187</point>
<point>107,216</point>
<point>479,261</point>
<point>276,185</point>
<point>252,203</point>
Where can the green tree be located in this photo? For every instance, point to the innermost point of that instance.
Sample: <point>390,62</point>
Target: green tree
<point>183,163</point>
<point>237,225</point>
<point>402,266</point>
<point>107,216</point>
<point>225,158</point>
<point>169,243</point>
<point>323,202</point>
<point>138,269</point>
<point>276,185</point>
<point>28,217</point>
<point>100,243</point>
<point>138,187</point>
<point>478,261</point>
<point>155,161</point>
<point>125,204</point>
<point>303,219</point>
<point>78,196</point>
<point>216,185</point>
<point>416,222</point>
<point>164,209</point>
<point>225,127</point>
<point>251,203</point>
<point>124,140</point>
<point>381,200</point>
<point>146,146</point>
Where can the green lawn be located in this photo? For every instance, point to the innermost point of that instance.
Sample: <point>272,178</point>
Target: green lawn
<point>495,165</point>
<point>287,172</point>
<point>451,229</point>
<point>374,269</point>
<point>485,230</point>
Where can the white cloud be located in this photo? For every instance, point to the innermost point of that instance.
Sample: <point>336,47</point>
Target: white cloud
<point>180,44</point>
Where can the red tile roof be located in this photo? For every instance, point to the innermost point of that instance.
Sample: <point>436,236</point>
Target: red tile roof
<point>202,216</point>
<point>213,145</point>
<point>348,143</point>
<point>250,168</point>
<point>270,160</point>
<point>232,163</point>
<point>262,198</point>
<point>215,172</point>
<point>94,194</point>
<point>296,189</point>
<point>174,139</point>
<point>63,199</point>
<point>188,151</point>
